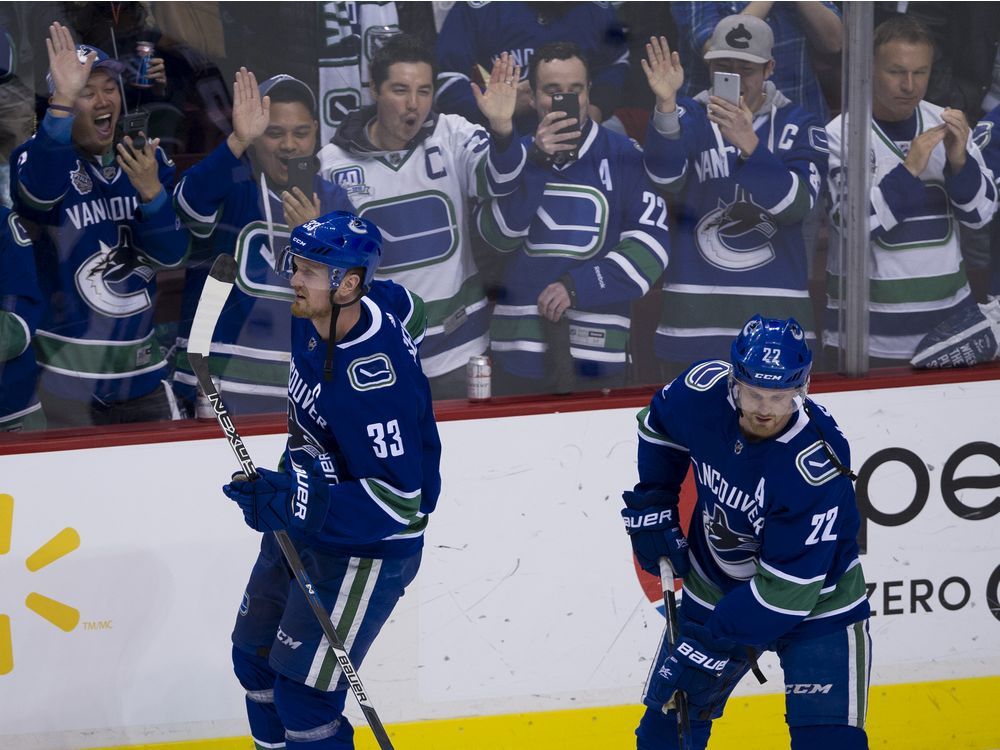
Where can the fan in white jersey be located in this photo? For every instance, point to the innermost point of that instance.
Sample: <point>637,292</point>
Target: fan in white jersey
<point>412,172</point>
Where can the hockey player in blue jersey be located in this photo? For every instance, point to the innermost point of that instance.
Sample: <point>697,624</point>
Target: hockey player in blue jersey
<point>100,217</point>
<point>588,235</point>
<point>771,559</point>
<point>20,308</point>
<point>361,477</point>
<point>238,200</point>
<point>745,175</point>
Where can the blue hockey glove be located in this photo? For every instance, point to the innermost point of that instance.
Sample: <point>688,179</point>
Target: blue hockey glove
<point>265,501</point>
<point>276,500</point>
<point>651,520</point>
<point>690,667</point>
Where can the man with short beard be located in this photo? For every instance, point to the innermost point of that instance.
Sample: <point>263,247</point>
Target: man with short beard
<point>102,223</point>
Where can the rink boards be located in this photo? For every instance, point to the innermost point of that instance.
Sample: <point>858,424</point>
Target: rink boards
<point>122,569</point>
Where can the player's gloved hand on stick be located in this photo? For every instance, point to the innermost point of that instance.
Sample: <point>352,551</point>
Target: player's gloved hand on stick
<point>692,667</point>
<point>653,525</point>
<point>277,500</point>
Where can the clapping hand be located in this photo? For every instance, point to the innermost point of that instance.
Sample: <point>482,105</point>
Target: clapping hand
<point>499,99</point>
<point>956,137</point>
<point>251,113</point>
<point>664,73</point>
<point>69,74</point>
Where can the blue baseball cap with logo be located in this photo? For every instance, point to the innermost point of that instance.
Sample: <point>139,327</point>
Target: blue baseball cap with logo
<point>102,61</point>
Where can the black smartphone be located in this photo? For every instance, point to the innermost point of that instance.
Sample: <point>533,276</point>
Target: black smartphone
<point>134,123</point>
<point>570,104</point>
<point>301,173</point>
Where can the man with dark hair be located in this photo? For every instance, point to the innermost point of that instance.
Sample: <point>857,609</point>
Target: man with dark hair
<point>100,217</point>
<point>239,198</point>
<point>474,35</point>
<point>413,172</point>
<point>588,235</point>
<point>928,174</point>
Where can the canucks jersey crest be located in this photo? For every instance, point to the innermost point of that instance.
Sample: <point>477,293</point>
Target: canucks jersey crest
<point>113,281</point>
<point>737,236</point>
<point>733,551</point>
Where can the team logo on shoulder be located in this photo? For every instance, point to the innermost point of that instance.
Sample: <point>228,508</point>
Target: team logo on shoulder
<point>815,465</point>
<point>372,372</point>
<point>982,134</point>
<point>706,375</point>
<point>818,139</point>
<point>80,180</point>
<point>352,180</point>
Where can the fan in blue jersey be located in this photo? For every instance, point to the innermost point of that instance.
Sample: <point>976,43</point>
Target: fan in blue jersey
<point>239,200</point>
<point>102,224</point>
<point>771,559</point>
<point>475,34</point>
<point>361,477</point>
<point>587,233</point>
<point>746,175</point>
<point>20,309</point>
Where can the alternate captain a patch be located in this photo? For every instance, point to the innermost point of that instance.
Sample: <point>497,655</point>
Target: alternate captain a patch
<point>371,372</point>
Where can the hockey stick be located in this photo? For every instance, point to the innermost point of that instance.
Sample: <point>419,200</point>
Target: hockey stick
<point>679,699</point>
<point>213,298</point>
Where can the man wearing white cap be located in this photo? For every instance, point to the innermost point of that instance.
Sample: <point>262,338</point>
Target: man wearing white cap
<point>100,217</point>
<point>746,174</point>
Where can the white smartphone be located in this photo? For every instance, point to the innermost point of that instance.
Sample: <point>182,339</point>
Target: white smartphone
<point>726,86</point>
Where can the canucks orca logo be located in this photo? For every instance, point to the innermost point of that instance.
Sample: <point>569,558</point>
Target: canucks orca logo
<point>114,281</point>
<point>727,545</point>
<point>372,372</point>
<point>739,38</point>
<point>737,236</point>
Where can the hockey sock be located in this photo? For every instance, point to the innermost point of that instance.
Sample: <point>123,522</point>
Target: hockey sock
<point>829,737</point>
<point>313,718</point>
<point>257,678</point>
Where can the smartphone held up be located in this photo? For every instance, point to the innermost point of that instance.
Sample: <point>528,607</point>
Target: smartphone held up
<point>727,86</point>
<point>301,174</point>
<point>570,104</point>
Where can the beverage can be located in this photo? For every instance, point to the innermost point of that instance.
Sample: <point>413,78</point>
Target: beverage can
<point>144,51</point>
<point>203,408</point>
<point>479,375</point>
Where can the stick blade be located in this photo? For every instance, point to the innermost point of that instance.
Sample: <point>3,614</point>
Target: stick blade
<point>213,298</point>
<point>224,269</point>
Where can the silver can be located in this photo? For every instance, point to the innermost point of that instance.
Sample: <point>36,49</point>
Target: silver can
<point>203,408</point>
<point>479,376</point>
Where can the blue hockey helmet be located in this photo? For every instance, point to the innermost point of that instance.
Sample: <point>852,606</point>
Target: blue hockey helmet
<point>771,353</point>
<point>339,240</point>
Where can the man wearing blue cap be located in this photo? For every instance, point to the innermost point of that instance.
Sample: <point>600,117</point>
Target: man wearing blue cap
<point>102,224</point>
<point>239,198</point>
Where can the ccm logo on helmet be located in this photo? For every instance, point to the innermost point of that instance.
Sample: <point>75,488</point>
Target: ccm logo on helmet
<point>766,376</point>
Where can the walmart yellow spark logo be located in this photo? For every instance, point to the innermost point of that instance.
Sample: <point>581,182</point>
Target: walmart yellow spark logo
<point>61,615</point>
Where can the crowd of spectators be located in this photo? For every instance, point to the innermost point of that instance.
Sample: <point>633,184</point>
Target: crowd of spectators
<point>558,184</point>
